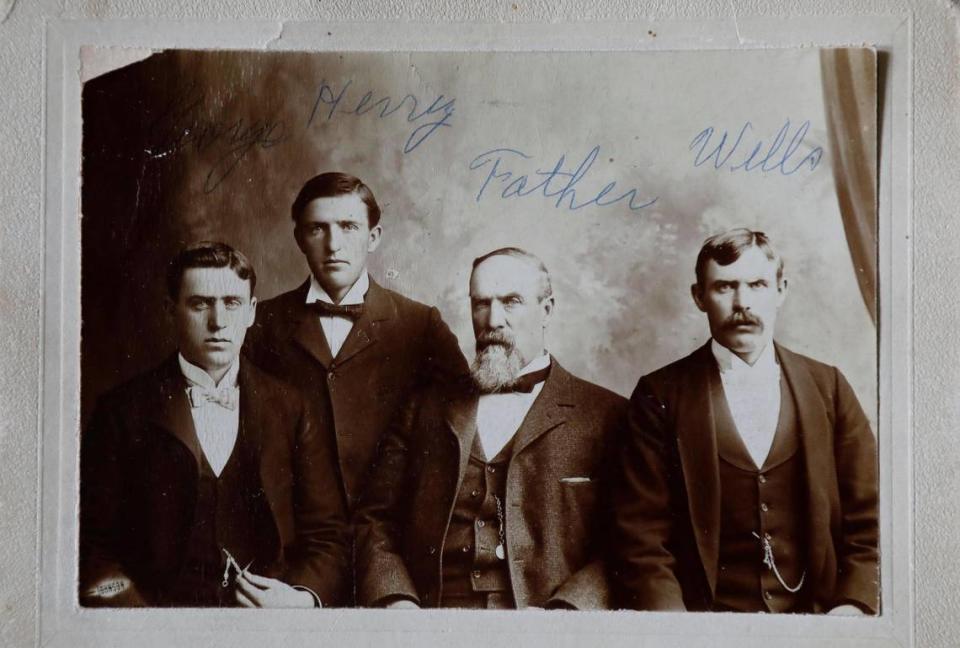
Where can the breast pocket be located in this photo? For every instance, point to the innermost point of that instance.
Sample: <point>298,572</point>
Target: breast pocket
<point>578,518</point>
<point>579,496</point>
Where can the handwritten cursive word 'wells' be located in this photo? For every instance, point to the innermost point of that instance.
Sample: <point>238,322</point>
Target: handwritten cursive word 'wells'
<point>777,157</point>
<point>555,183</point>
<point>180,126</point>
<point>427,120</point>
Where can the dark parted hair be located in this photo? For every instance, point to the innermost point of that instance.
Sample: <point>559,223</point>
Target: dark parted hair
<point>546,289</point>
<point>726,247</point>
<point>207,254</point>
<point>330,185</point>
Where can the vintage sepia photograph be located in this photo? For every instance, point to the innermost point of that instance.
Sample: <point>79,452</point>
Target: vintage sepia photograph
<point>480,330</point>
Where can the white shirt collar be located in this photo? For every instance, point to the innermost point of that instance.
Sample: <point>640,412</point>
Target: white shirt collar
<point>538,363</point>
<point>198,376</point>
<point>354,296</point>
<point>728,361</point>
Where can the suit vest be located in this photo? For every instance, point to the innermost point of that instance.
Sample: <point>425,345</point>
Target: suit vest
<point>761,507</point>
<point>231,513</point>
<point>470,563</point>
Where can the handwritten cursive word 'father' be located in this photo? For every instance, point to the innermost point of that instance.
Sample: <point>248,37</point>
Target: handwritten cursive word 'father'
<point>428,119</point>
<point>555,183</point>
<point>775,158</point>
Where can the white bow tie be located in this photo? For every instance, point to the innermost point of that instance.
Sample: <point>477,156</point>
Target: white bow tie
<point>228,397</point>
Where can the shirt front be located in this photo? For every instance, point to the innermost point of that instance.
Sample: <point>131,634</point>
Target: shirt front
<point>500,415</point>
<point>216,426</point>
<point>753,396</point>
<point>335,328</point>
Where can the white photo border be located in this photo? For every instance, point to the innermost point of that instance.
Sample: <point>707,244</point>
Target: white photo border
<point>63,623</point>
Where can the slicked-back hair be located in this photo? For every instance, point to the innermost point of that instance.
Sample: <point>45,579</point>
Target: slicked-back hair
<point>546,288</point>
<point>207,254</point>
<point>725,248</point>
<point>331,185</point>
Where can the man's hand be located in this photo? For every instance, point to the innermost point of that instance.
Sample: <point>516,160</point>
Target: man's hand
<point>263,592</point>
<point>846,610</point>
<point>402,604</point>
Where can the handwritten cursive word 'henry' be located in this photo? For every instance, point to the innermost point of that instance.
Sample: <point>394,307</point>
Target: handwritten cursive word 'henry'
<point>427,120</point>
<point>556,183</point>
<point>787,159</point>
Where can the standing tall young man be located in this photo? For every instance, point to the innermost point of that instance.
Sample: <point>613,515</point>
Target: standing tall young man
<point>748,478</point>
<point>206,482</point>
<point>356,349</point>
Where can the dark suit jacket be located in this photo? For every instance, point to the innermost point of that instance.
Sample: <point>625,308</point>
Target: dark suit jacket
<point>140,464</point>
<point>396,346</point>
<point>667,497</point>
<point>552,520</point>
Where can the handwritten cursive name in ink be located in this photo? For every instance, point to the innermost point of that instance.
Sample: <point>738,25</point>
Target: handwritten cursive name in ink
<point>555,183</point>
<point>180,126</point>
<point>780,155</point>
<point>427,120</point>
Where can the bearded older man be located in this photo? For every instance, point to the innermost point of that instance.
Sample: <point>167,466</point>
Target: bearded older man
<point>485,495</point>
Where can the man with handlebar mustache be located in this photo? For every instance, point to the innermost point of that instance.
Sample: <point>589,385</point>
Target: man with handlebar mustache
<point>747,478</point>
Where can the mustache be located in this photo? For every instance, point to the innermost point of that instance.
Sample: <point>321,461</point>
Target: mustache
<point>739,318</point>
<point>487,339</point>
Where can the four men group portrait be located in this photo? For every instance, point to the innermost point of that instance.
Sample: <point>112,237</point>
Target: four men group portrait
<point>332,446</point>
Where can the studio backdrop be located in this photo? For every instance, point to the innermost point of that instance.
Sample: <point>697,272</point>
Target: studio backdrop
<point>612,167</point>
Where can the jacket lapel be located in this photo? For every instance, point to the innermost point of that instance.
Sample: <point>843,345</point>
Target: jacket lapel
<point>255,421</point>
<point>461,420</point>
<point>697,445</point>
<point>548,412</point>
<point>306,329</point>
<point>818,453</point>
<point>172,413</point>
<point>252,417</point>
<point>730,445</point>
<point>377,307</point>
<point>549,409</point>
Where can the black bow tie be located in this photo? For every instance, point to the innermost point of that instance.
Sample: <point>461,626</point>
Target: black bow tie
<point>527,381</point>
<point>326,309</point>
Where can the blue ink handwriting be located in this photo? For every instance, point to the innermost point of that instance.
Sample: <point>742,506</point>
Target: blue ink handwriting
<point>330,102</point>
<point>776,158</point>
<point>556,183</point>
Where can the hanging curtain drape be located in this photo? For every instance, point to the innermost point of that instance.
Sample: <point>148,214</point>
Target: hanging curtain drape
<point>850,93</point>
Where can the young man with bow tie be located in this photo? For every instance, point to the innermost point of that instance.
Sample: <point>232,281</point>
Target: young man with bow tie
<point>206,482</point>
<point>485,496</point>
<point>356,350</point>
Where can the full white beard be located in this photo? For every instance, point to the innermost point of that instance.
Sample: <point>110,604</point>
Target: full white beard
<point>496,367</point>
